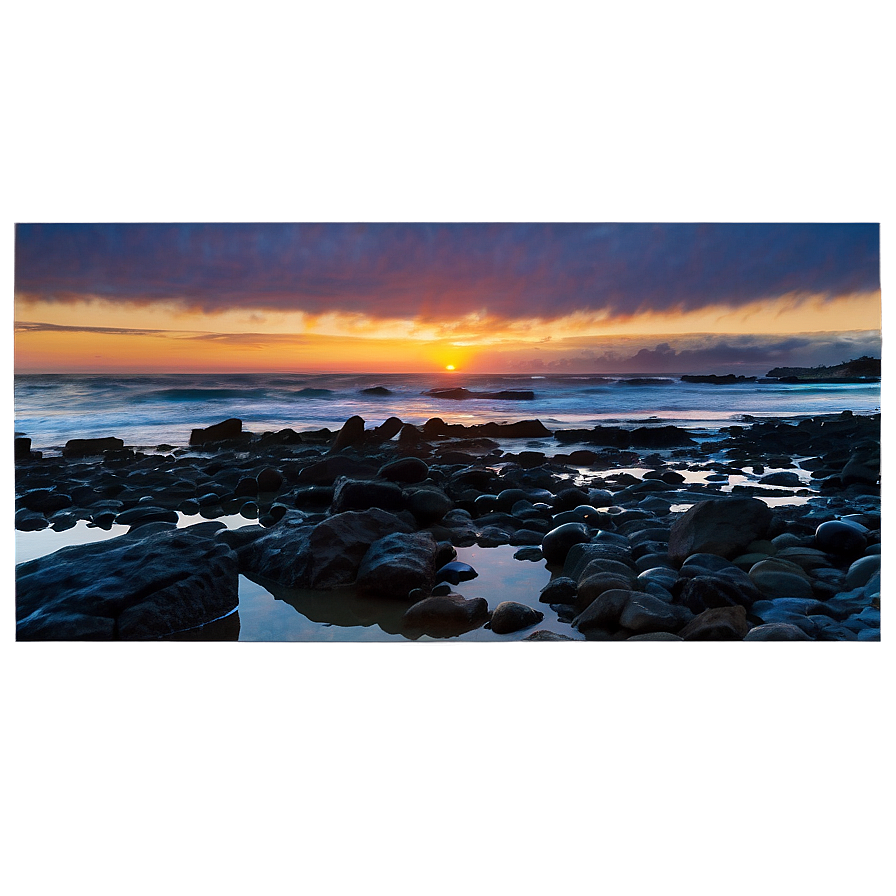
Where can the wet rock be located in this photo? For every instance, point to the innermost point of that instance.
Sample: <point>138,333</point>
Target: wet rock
<point>529,553</point>
<point>428,505</point>
<point>269,480</point>
<point>561,590</point>
<point>45,500</point>
<point>781,478</point>
<point>604,611</point>
<point>645,613</point>
<point>861,571</point>
<point>589,589</point>
<point>492,537</point>
<point>510,616</point>
<point>226,429</point>
<point>445,616</point>
<point>90,447</point>
<point>22,448</point>
<point>29,521</point>
<point>656,636</point>
<point>721,624</point>
<point>406,469</point>
<point>723,526</point>
<point>130,587</point>
<point>352,433</point>
<point>323,556</point>
<point>710,592</point>
<point>776,631</point>
<point>842,537</point>
<point>660,437</point>
<point>358,494</point>
<point>557,542</point>
<point>543,635</point>
<point>456,572</point>
<point>141,515</point>
<point>325,472</point>
<point>397,564</point>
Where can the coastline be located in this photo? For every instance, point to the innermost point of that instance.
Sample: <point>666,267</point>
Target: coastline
<point>625,499</point>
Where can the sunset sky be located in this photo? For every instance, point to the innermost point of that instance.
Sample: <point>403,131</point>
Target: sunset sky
<point>419,297</point>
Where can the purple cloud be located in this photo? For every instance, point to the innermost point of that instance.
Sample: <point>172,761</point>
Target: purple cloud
<point>439,272</point>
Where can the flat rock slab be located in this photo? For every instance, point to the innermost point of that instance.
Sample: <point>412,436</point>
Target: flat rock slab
<point>135,586</point>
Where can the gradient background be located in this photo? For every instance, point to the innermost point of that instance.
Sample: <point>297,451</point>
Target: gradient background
<point>253,770</point>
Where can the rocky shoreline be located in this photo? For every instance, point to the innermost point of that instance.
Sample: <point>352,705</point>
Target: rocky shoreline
<point>380,511</point>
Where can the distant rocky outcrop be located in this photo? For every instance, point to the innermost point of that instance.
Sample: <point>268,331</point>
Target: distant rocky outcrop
<point>715,380</point>
<point>851,371</point>
<point>463,394</point>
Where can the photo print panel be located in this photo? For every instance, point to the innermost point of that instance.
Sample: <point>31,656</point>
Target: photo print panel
<point>481,431</point>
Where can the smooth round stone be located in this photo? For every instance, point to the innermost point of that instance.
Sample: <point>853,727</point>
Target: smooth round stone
<point>665,576</point>
<point>872,549</point>
<point>807,558</point>
<point>556,543</point>
<point>776,631</point>
<point>269,480</point>
<point>761,546</point>
<point>510,616</point>
<point>747,561</point>
<point>861,571</point>
<point>653,561</point>
<point>529,553</point>
<point>455,572</point>
<point>561,590</point>
<point>841,537</point>
<point>786,540</point>
<point>869,634</point>
<point>709,562</point>
<point>655,636</point>
<point>774,563</point>
<point>775,583</point>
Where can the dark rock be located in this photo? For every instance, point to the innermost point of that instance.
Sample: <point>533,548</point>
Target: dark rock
<point>269,480</point>
<point>556,544</point>
<point>446,615</point>
<point>129,587</point>
<point>397,564</point>
<point>660,437</point>
<point>22,448</point>
<point>510,616</point>
<point>783,478</point>
<point>352,433</point>
<point>357,494</point>
<point>529,553</point>
<point>44,500</point>
<point>376,390</point>
<point>143,514</point>
<point>656,636</point>
<point>428,505</point>
<point>592,587</point>
<point>387,430</point>
<point>90,447</point>
<point>604,611</point>
<point>29,521</point>
<point>776,631</point>
<point>718,624</point>
<point>710,592</point>
<point>723,526</point>
<point>405,469</point>
<point>227,429</point>
<point>542,635</point>
<point>861,571</point>
<point>328,470</point>
<point>561,590</point>
<point>323,556</point>
<point>841,537</point>
<point>645,613</point>
<point>247,487</point>
<point>455,572</point>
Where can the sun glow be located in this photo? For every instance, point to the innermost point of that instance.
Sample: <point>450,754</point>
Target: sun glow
<point>450,367</point>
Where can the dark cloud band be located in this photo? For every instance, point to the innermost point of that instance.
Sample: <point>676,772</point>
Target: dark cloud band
<point>439,272</point>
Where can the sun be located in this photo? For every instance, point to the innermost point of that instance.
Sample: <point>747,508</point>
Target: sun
<point>450,367</point>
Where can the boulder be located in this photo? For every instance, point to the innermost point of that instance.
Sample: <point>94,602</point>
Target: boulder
<point>604,611</point>
<point>405,469</point>
<point>707,592</point>
<point>543,635</point>
<point>561,590</point>
<point>723,526</point>
<point>510,616</point>
<point>226,429</point>
<point>556,543</point>
<point>324,556</point>
<point>445,616</point>
<point>428,505</point>
<point>861,571</point>
<point>842,537</point>
<point>455,572</point>
<point>145,584</point>
<point>398,563</point>
<point>360,494</point>
<point>776,631</point>
<point>352,433</point>
<point>90,447</point>
<point>717,624</point>
<point>22,448</point>
<point>644,613</point>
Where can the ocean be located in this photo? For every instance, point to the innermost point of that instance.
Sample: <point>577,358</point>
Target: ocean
<point>150,410</point>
